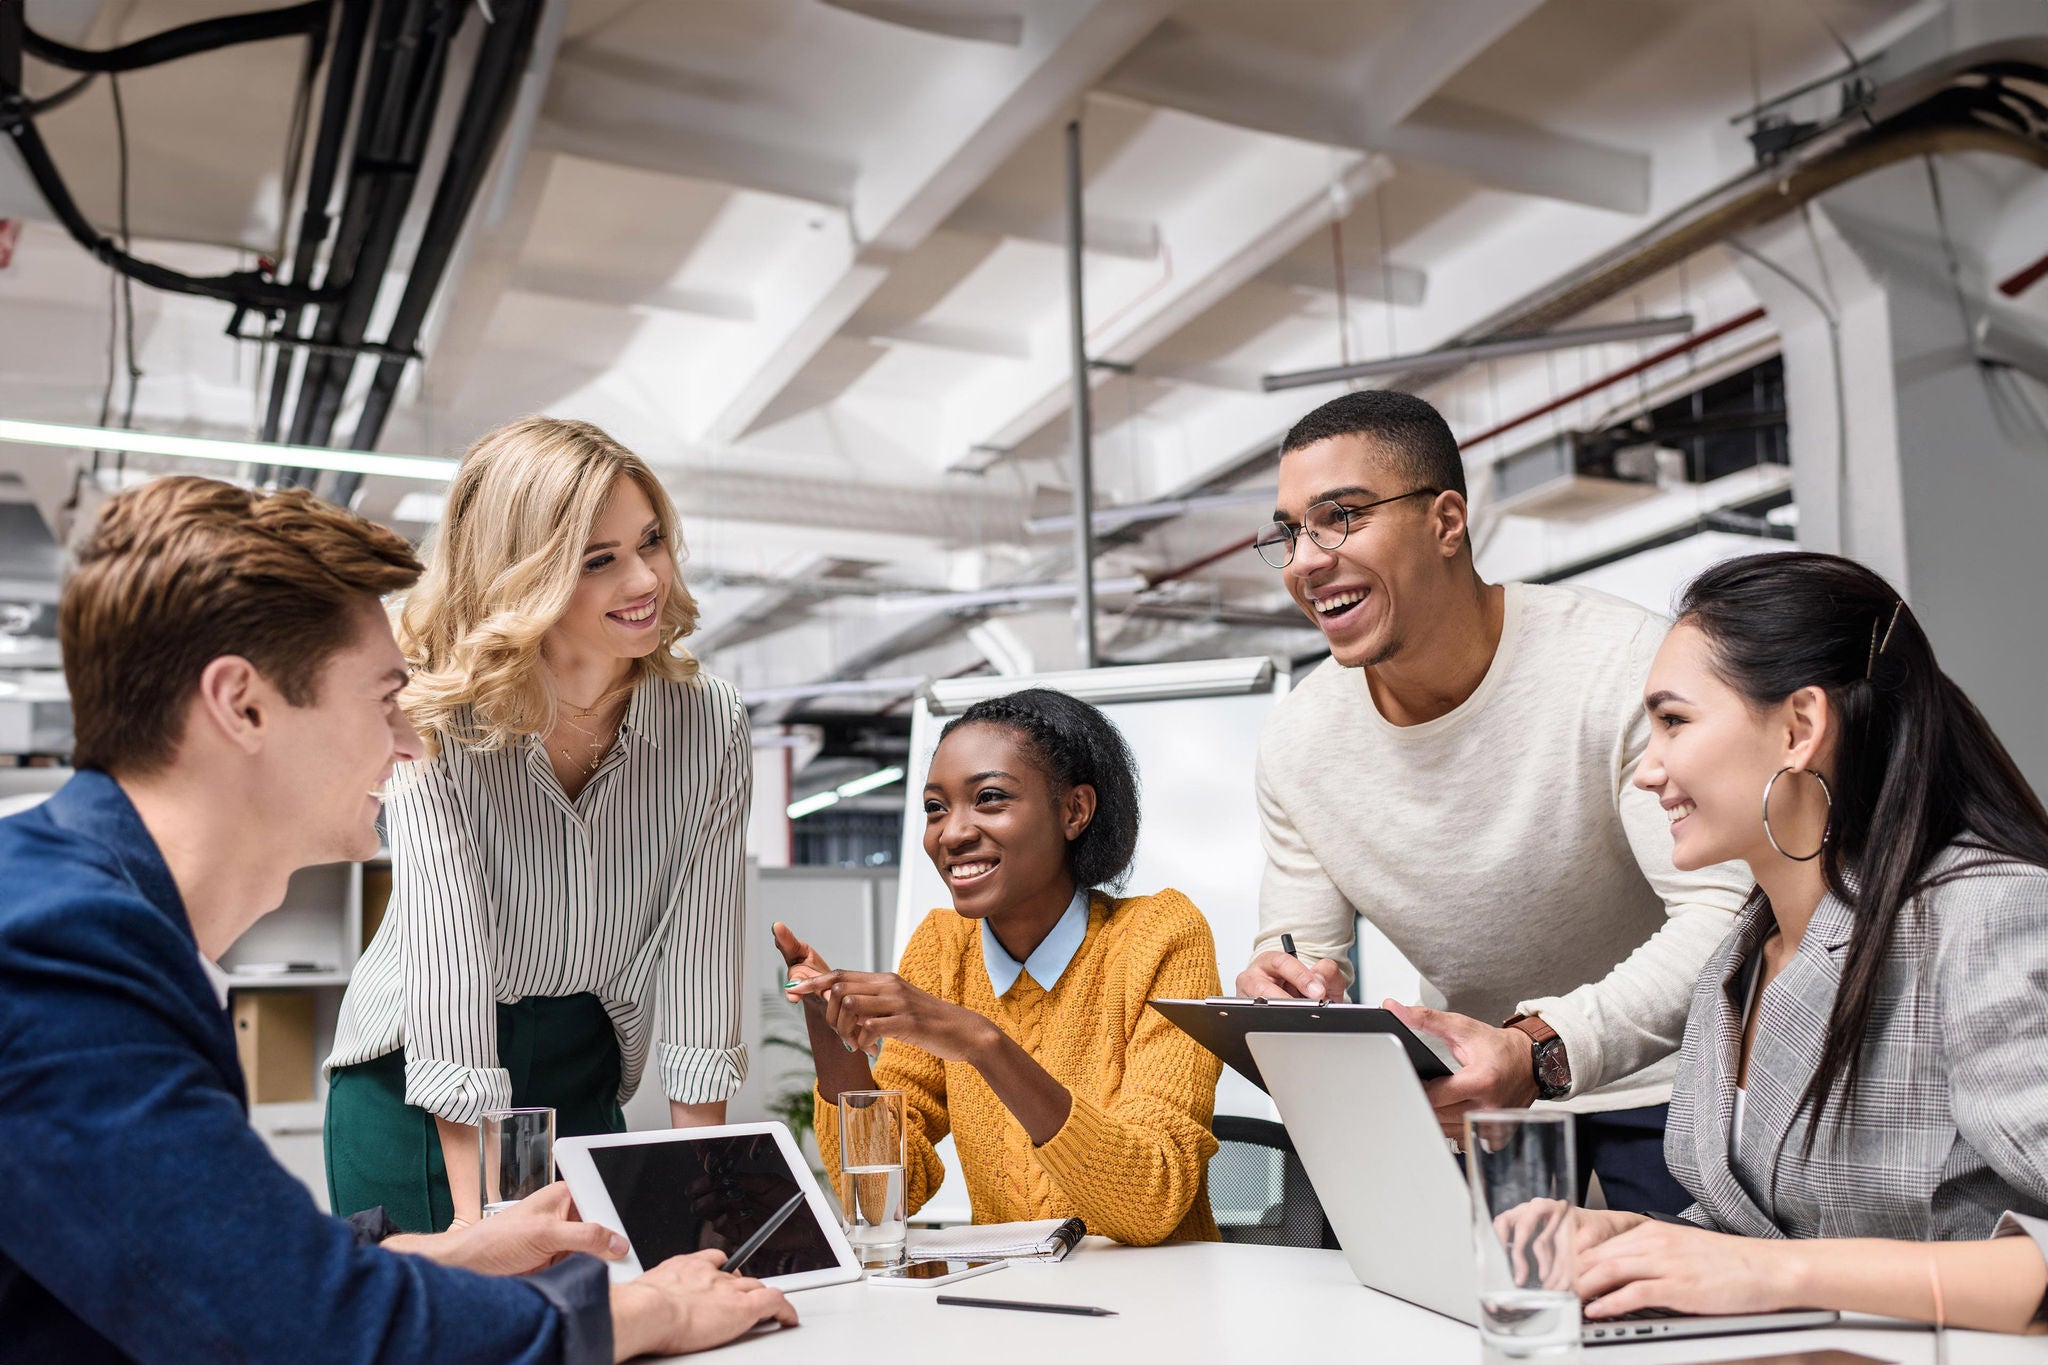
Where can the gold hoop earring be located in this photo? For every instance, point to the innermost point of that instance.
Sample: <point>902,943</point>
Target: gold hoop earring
<point>1826,830</point>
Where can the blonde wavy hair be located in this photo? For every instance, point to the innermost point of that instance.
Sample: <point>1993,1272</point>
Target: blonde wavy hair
<point>500,571</point>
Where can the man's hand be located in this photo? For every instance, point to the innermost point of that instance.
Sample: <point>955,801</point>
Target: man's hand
<point>863,1008</point>
<point>1689,1270</point>
<point>1282,976</point>
<point>531,1235</point>
<point>688,1304</point>
<point>1498,1066</point>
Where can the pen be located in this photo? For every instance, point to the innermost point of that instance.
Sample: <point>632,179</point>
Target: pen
<point>1078,1310</point>
<point>753,1244</point>
<point>1287,945</point>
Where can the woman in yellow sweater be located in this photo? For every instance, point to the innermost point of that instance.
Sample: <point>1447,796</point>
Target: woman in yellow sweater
<point>1018,1020</point>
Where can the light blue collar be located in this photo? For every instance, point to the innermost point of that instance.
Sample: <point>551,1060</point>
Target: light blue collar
<point>1047,961</point>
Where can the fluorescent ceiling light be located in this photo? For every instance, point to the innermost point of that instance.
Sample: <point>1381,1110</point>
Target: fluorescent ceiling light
<point>897,603</point>
<point>797,810</point>
<point>880,778</point>
<point>236,452</point>
<point>1448,356</point>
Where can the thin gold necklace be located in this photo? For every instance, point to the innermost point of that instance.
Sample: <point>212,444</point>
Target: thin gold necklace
<point>600,744</point>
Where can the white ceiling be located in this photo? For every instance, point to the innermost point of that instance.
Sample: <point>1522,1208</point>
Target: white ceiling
<point>808,260</point>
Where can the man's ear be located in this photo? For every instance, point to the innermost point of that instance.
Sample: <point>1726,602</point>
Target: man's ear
<point>1453,523</point>
<point>235,702</point>
<point>1077,811</point>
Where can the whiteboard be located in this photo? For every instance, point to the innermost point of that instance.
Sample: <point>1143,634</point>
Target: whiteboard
<point>1194,730</point>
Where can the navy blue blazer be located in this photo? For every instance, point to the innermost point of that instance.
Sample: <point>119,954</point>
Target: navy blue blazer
<point>141,1217</point>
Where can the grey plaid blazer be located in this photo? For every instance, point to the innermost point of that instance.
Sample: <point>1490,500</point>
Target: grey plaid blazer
<point>1949,1127</point>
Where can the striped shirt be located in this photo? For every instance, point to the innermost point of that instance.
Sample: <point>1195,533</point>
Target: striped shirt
<point>503,888</point>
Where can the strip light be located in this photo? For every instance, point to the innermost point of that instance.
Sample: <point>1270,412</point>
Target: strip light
<point>234,452</point>
<point>881,777</point>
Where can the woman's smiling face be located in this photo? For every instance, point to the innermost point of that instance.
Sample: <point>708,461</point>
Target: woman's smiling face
<point>1710,755</point>
<point>994,825</point>
<point>623,582</point>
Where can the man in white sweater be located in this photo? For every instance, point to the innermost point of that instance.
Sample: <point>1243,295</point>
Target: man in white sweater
<point>1458,773</point>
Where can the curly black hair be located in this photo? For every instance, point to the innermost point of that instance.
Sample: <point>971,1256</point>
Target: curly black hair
<point>1077,746</point>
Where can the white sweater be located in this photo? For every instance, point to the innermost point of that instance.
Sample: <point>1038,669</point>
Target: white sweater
<point>1503,847</point>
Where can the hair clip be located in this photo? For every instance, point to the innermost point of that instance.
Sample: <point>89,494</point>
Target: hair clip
<point>1876,645</point>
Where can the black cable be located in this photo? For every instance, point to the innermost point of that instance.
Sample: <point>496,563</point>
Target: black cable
<point>204,36</point>
<point>62,97</point>
<point>127,282</point>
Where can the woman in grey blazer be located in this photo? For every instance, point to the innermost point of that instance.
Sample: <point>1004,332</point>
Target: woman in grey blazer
<point>1866,1057</point>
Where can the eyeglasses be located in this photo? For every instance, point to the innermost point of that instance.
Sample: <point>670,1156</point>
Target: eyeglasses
<point>1327,524</point>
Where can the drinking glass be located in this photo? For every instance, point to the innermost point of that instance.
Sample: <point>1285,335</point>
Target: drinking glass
<point>516,1151</point>
<point>871,1184</point>
<point>1524,1171</point>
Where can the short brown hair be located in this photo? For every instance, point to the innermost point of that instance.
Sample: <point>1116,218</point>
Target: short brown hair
<point>183,570</point>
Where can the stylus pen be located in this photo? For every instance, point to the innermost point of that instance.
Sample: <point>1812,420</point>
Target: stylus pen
<point>1076,1309</point>
<point>1287,945</point>
<point>753,1244</point>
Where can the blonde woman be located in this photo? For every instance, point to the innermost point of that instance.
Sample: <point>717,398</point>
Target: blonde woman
<point>567,857</point>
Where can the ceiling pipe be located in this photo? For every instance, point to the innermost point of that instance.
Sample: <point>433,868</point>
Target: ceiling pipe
<point>486,109</point>
<point>1084,448</point>
<point>1454,357</point>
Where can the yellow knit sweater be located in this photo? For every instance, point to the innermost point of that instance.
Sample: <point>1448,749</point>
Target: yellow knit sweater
<point>1132,1159</point>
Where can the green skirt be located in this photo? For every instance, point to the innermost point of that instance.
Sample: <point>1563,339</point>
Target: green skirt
<point>562,1052</point>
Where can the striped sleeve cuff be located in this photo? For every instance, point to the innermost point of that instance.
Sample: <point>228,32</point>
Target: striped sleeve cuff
<point>701,1075</point>
<point>459,1094</point>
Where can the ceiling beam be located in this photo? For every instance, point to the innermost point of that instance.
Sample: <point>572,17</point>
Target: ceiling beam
<point>1401,285</point>
<point>969,23</point>
<point>1250,85</point>
<point>981,341</point>
<point>1257,208</point>
<point>1123,237</point>
<point>593,286</point>
<point>623,112</point>
<point>948,134</point>
<point>1507,154</point>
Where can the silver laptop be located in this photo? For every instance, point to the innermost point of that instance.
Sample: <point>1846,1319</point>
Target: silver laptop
<point>1393,1192</point>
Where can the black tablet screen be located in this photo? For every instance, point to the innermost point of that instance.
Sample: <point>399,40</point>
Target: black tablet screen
<point>679,1197</point>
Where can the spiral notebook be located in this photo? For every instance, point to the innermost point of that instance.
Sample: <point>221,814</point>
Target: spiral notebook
<point>1048,1239</point>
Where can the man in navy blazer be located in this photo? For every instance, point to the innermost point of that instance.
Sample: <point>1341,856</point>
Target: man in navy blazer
<point>234,686</point>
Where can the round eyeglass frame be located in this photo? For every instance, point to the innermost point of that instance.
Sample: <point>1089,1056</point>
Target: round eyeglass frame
<point>1288,533</point>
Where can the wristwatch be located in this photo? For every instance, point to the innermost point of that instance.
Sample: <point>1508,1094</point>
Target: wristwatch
<point>1552,1068</point>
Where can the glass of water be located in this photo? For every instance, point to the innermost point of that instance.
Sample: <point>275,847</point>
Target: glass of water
<point>871,1184</point>
<point>516,1148</point>
<point>1523,1165</point>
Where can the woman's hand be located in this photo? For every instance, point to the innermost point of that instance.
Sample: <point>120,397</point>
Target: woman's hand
<point>802,960</point>
<point>534,1233</point>
<point>1689,1270</point>
<point>863,1008</point>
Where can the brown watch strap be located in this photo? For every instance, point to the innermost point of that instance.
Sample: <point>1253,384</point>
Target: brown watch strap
<point>1551,1063</point>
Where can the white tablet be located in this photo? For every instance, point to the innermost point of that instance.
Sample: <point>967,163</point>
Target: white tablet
<point>678,1190</point>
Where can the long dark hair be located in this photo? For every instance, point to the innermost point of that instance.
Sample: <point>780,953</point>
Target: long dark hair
<point>1078,746</point>
<point>1917,769</point>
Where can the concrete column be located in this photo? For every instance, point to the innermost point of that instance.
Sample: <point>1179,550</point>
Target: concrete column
<point>1908,453</point>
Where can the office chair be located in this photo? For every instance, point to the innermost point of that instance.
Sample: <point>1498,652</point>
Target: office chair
<point>1258,1189</point>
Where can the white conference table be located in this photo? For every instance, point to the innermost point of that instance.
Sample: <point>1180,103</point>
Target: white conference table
<point>1197,1303</point>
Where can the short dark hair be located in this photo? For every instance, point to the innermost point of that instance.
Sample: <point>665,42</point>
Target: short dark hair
<point>1078,746</point>
<point>182,570</point>
<point>1414,435</point>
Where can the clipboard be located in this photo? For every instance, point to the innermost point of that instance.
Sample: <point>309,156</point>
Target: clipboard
<point>1220,1024</point>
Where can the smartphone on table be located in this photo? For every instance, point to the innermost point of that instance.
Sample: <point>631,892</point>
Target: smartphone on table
<point>932,1273</point>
